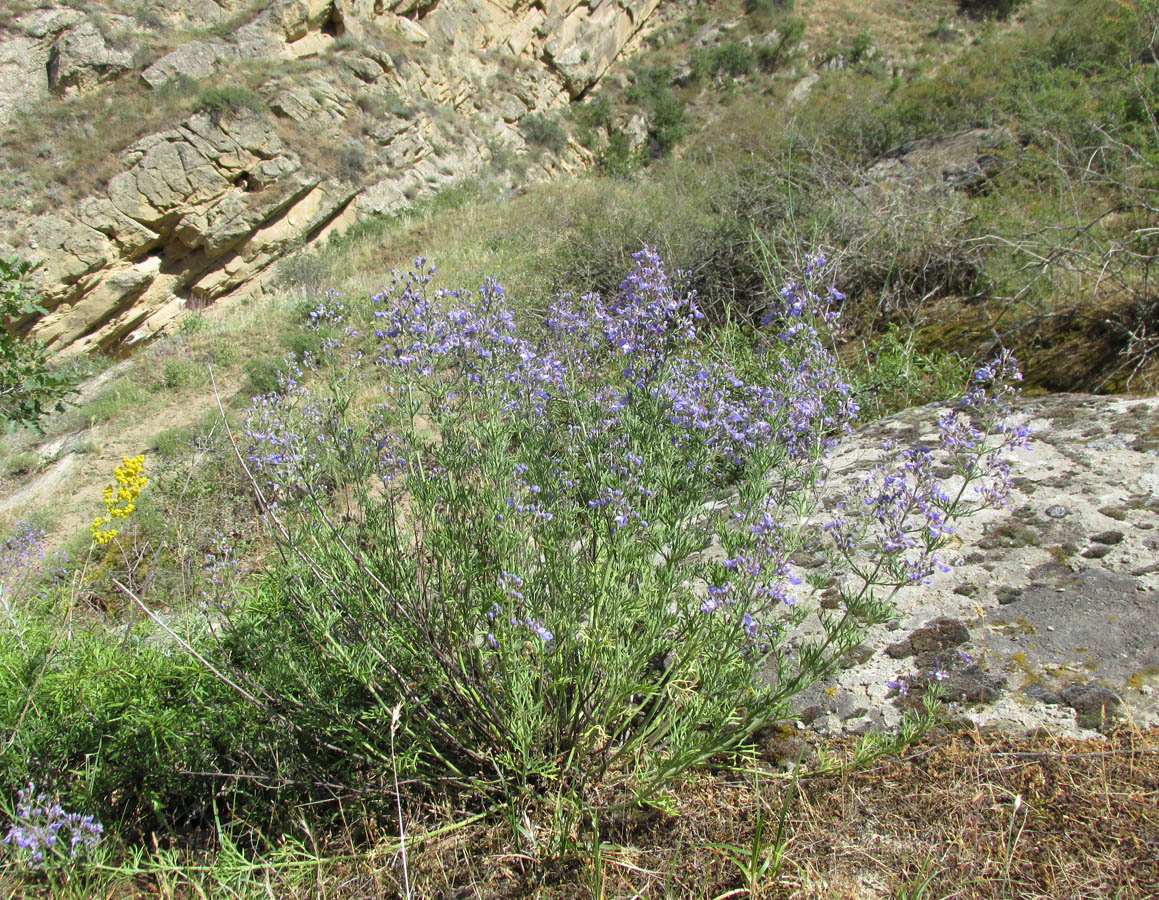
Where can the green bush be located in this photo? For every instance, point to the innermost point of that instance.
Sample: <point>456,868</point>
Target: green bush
<point>649,82</point>
<point>544,130</point>
<point>618,158</point>
<point>518,594</point>
<point>988,9</point>
<point>769,7</point>
<point>592,117</point>
<point>29,386</point>
<point>124,724</point>
<point>770,56</point>
<point>666,123</point>
<point>230,100</point>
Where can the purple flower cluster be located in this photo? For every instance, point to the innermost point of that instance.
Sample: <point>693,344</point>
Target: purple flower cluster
<point>898,506</point>
<point>756,578</point>
<point>511,585</point>
<point>329,311</point>
<point>286,431</point>
<point>44,832</point>
<point>25,564</point>
<point>21,554</point>
<point>221,570</point>
<point>901,506</point>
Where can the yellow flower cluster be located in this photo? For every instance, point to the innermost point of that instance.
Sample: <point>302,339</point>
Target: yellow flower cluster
<point>120,497</point>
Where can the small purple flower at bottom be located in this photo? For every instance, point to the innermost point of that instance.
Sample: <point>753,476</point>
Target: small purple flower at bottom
<point>900,685</point>
<point>41,824</point>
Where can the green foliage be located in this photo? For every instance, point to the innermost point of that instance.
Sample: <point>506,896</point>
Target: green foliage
<point>592,117</point>
<point>649,83</point>
<point>731,59</point>
<point>229,100</point>
<point>544,130</point>
<point>769,7</point>
<point>895,373</point>
<point>861,47</point>
<point>29,386</point>
<point>666,124</point>
<point>117,720</point>
<point>771,56</point>
<point>618,158</point>
<point>988,9</point>
<point>261,376</point>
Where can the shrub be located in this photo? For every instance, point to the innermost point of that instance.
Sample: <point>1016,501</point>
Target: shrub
<point>769,7</point>
<point>126,712</point>
<point>649,83</point>
<point>230,100</point>
<point>544,130</point>
<point>592,117</point>
<point>29,387</point>
<point>618,158</point>
<point>666,124</point>
<point>564,555</point>
<point>352,162</point>
<point>770,56</point>
<point>733,59</point>
<point>987,9</point>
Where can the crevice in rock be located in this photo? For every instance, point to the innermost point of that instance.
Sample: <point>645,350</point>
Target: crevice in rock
<point>334,26</point>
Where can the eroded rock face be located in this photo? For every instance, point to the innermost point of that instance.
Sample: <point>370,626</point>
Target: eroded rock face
<point>80,59</point>
<point>407,97</point>
<point>198,212</point>
<point>24,52</point>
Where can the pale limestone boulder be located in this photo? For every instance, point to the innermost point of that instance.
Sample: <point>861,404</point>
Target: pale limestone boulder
<point>587,40</point>
<point>24,58</point>
<point>116,291</point>
<point>195,60</point>
<point>70,250</point>
<point>219,199</point>
<point>80,59</point>
<point>187,13</point>
<point>131,237</point>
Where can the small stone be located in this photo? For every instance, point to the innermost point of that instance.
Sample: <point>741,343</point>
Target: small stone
<point>1008,595</point>
<point>1118,513</point>
<point>1094,705</point>
<point>969,589</point>
<point>1058,511</point>
<point>1043,695</point>
<point>1098,551</point>
<point>1108,537</point>
<point>933,637</point>
<point>855,657</point>
<point>830,598</point>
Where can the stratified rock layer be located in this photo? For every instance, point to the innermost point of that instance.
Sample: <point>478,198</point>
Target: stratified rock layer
<point>407,99</point>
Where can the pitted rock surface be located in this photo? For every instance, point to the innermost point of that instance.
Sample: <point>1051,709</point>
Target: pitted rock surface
<point>1030,628</point>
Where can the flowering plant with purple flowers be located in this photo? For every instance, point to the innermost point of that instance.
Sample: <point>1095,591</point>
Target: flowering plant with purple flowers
<point>565,545</point>
<point>44,835</point>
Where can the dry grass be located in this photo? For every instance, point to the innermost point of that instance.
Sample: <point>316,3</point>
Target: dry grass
<point>967,816</point>
<point>963,816</point>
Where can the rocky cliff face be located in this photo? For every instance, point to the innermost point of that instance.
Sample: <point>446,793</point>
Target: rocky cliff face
<point>359,107</point>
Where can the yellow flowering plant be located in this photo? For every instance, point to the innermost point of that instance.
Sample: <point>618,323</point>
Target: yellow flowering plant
<point>120,497</point>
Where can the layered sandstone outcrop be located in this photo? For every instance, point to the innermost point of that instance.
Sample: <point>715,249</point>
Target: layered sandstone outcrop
<point>395,100</point>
